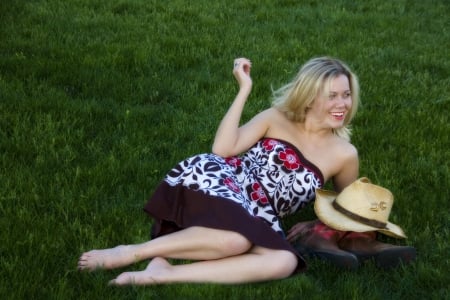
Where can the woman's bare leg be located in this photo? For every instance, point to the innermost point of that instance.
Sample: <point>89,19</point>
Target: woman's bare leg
<point>194,243</point>
<point>259,264</point>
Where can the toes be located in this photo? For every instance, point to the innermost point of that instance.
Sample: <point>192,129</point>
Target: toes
<point>82,267</point>
<point>83,259</point>
<point>112,282</point>
<point>122,279</point>
<point>133,278</point>
<point>83,264</point>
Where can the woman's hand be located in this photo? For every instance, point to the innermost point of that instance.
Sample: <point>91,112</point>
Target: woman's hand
<point>241,72</point>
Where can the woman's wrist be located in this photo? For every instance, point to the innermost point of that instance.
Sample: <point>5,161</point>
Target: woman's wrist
<point>245,89</point>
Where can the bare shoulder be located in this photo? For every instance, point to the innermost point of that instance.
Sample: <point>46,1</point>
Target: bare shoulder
<point>346,169</point>
<point>270,116</point>
<point>344,149</point>
<point>273,112</point>
<point>264,114</point>
<point>275,116</point>
<point>345,154</point>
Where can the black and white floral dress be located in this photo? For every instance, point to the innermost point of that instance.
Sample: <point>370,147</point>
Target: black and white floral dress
<point>247,194</point>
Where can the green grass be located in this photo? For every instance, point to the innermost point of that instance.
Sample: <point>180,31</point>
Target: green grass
<point>99,99</point>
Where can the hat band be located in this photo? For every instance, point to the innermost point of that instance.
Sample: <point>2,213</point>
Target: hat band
<point>358,218</point>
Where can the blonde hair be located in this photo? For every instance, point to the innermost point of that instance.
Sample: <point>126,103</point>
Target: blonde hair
<point>314,76</point>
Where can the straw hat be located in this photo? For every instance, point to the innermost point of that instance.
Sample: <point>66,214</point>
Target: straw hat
<point>360,207</point>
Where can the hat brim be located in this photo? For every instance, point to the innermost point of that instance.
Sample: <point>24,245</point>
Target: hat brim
<point>331,217</point>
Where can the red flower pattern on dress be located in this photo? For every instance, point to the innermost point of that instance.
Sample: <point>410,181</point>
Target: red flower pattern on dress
<point>258,194</point>
<point>290,159</point>
<point>200,174</point>
<point>233,161</point>
<point>269,144</point>
<point>229,182</point>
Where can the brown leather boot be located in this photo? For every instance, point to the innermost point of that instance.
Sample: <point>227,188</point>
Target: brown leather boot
<point>320,241</point>
<point>365,246</point>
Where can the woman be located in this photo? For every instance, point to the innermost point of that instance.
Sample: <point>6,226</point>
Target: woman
<point>223,211</point>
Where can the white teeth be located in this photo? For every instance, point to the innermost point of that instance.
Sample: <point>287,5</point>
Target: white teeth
<point>338,114</point>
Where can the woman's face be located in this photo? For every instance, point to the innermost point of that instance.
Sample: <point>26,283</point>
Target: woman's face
<point>332,105</point>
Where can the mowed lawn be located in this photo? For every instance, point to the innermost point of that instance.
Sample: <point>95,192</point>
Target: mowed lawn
<point>100,98</point>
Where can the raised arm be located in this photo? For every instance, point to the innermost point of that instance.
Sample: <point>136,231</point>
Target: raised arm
<point>231,139</point>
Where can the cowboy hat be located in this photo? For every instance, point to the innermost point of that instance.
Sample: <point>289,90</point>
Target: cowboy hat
<point>360,207</point>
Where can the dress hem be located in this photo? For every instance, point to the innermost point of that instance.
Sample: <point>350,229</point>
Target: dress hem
<point>177,207</point>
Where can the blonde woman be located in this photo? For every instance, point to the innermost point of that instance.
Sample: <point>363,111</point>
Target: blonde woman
<point>222,210</point>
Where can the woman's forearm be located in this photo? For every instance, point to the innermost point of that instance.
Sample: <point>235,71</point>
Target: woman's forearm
<point>227,134</point>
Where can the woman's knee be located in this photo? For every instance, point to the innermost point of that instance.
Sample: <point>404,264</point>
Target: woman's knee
<point>283,264</point>
<point>234,243</point>
<point>224,242</point>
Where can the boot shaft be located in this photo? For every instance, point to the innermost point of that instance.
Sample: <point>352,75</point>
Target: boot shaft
<point>327,232</point>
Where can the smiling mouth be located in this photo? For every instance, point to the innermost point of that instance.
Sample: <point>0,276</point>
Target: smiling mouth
<point>337,114</point>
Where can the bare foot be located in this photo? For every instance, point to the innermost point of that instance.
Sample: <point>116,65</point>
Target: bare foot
<point>111,258</point>
<point>151,275</point>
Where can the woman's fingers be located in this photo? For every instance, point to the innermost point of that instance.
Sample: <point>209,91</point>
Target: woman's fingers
<point>243,63</point>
